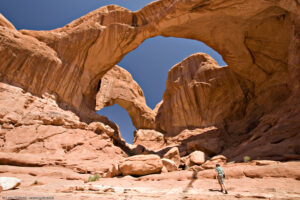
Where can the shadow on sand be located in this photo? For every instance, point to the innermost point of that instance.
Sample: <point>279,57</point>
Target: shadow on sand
<point>190,185</point>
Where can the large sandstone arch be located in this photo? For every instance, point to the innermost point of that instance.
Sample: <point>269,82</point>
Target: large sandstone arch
<point>85,49</point>
<point>259,40</point>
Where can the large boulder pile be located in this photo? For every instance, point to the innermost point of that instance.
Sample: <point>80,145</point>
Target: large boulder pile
<point>140,165</point>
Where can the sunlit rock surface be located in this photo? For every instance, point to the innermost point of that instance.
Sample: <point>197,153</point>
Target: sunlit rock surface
<point>35,132</point>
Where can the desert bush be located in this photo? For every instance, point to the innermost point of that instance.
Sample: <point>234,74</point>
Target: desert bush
<point>94,178</point>
<point>247,158</point>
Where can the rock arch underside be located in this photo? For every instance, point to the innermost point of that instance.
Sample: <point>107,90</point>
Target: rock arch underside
<point>53,81</point>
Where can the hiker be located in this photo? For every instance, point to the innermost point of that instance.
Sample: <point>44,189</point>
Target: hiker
<point>221,176</point>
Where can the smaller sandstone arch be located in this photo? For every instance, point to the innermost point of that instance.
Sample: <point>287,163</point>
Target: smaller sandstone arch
<point>117,86</point>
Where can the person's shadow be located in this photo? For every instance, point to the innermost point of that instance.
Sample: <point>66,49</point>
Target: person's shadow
<point>194,178</point>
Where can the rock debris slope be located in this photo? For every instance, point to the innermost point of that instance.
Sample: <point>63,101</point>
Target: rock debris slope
<point>35,132</point>
<point>259,89</point>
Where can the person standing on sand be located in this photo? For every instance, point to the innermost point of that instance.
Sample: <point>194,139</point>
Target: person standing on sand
<point>221,176</point>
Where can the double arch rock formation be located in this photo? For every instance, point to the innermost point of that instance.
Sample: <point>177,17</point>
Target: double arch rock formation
<point>259,40</point>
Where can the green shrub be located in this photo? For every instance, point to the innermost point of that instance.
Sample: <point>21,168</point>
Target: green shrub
<point>35,182</point>
<point>94,178</point>
<point>247,159</point>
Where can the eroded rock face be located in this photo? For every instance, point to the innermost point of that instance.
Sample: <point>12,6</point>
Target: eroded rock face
<point>208,140</point>
<point>199,93</point>
<point>34,131</point>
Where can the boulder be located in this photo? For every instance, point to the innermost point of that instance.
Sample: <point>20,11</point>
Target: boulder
<point>185,161</point>
<point>138,149</point>
<point>197,157</point>
<point>99,128</point>
<point>8,183</point>
<point>150,139</point>
<point>211,164</point>
<point>173,154</point>
<point>141,165</point>
<point>164,170</point>
<point>169,165</point>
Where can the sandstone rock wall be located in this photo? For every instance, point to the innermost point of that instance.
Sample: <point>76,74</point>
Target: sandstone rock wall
<point>199,93</point>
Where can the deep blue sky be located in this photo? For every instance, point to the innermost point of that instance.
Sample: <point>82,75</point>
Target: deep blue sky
<point>148,64</point>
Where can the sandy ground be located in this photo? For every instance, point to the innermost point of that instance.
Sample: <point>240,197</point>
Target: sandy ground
<point>133,188</point>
